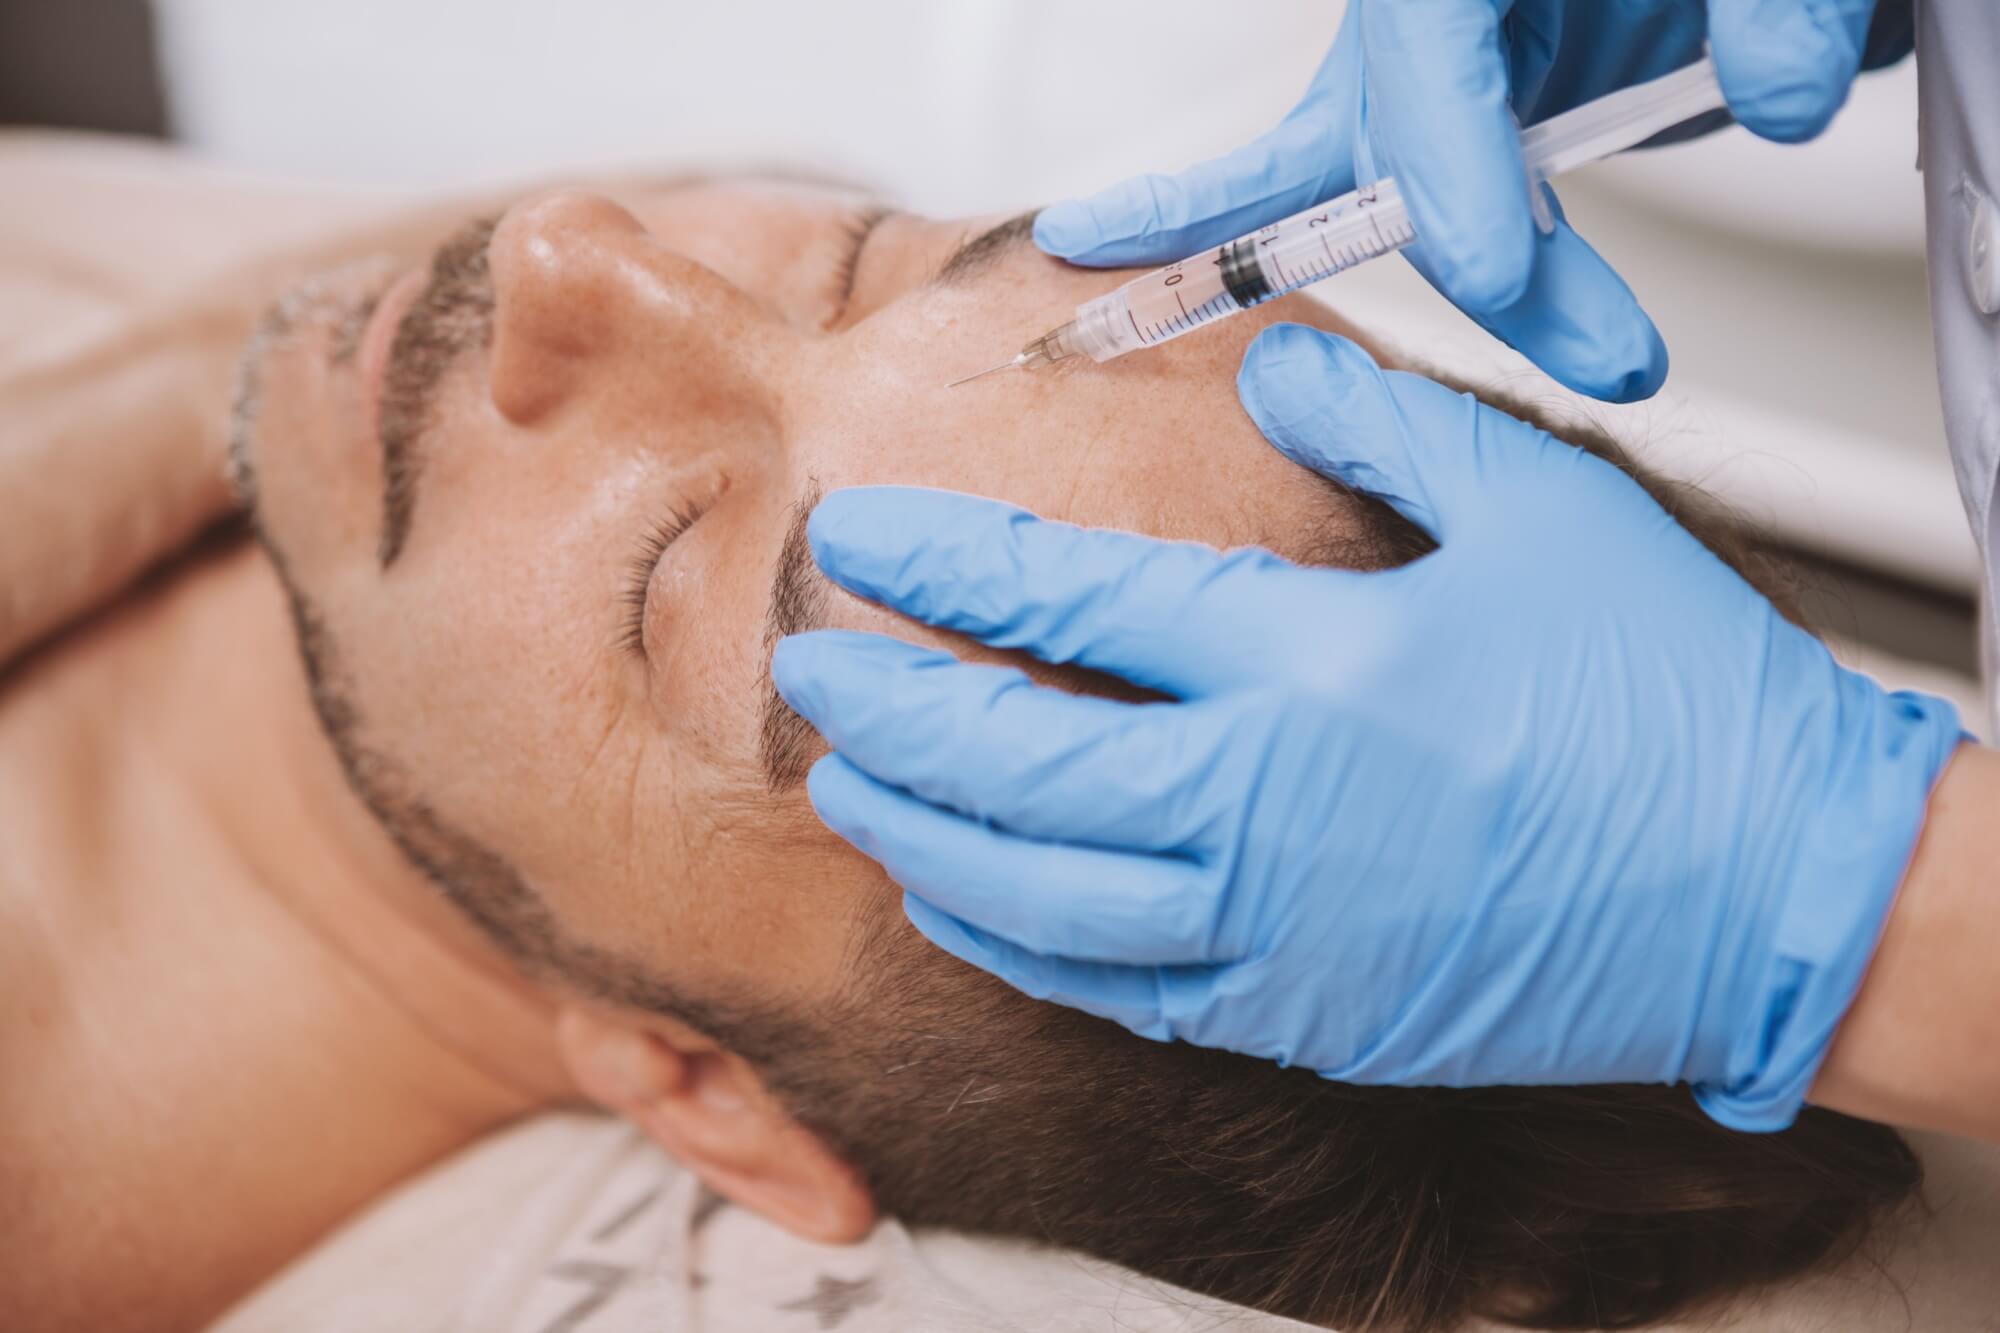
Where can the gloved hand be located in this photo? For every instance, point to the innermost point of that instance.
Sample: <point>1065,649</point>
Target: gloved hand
<point>1565,801</point>
<point>1422,90</point>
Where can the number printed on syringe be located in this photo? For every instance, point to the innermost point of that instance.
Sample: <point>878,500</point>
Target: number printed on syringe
<point>1334,236</point>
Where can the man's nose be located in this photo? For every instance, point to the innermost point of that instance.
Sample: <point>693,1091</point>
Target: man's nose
<point>587,301</point>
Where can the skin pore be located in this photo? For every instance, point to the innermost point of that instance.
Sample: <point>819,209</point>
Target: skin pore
<point>538,617</point>
<point>530,505</point>
<point>233,1012</point>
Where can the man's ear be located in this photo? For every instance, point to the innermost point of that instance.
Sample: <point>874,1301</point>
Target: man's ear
<point>708,1108</point>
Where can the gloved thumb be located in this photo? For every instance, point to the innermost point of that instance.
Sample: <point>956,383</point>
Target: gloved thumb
<point>1326,405</point>
<point>1786,65</point>
<point>1438,457</point>
<point>1157,219</point>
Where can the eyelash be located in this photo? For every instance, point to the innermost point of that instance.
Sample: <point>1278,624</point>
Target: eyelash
<point>857,232</point>
<point>639,575</point>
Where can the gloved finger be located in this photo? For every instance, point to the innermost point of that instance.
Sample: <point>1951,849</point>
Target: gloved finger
<point>1536,31</point>
<point>1892,34</point>
<point>1055,898</point>
<point>1129,996</point>
<point>1438,107</point>
<point>1176,617</point>
<point>1786,68</point>
<point>1580,323</point>
<point>990,744</point>
<point>1155,219</point>
<point>1310,393</point>
<point>1431,454</point>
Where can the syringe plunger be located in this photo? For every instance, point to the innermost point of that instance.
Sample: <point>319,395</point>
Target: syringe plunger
<point>1321,241</point>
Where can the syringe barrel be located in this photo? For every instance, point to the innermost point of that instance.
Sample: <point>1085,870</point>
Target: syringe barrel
<point>1160,306</point>
<point>1321,241</point>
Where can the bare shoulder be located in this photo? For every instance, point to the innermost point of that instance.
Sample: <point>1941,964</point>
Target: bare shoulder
<point>130,276</point>
<point>97,228</point>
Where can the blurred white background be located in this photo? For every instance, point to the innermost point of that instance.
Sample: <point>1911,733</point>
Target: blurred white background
<point>1789,282</point>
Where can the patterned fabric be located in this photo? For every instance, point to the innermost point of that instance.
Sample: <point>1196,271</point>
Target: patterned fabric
<point>576,1224</point>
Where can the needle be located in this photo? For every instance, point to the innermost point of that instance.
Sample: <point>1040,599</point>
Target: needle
<point>1008,364</point>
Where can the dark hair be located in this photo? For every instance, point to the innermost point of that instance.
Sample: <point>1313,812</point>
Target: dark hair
<point>968,1105</point>
<point>965,1104</point>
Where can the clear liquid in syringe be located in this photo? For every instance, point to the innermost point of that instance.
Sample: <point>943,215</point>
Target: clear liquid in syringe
<point>1289,254</point>
<point>1329,238</point>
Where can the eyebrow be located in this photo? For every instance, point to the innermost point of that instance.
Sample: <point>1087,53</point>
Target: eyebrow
<point>985,250</point>
<point>786,742</point>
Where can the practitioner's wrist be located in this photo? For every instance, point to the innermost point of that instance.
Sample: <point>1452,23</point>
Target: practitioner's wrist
<point>1917,1045</point>
<point>1860,797</point>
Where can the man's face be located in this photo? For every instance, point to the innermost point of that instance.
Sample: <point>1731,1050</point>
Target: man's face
<point>531,509</point>
<point>535,503</point>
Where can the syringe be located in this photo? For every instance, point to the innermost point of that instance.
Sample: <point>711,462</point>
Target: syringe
<point>1159,306</point>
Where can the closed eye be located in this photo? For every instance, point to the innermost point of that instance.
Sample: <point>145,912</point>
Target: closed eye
<point>639,575</point>
<point>855,237</point>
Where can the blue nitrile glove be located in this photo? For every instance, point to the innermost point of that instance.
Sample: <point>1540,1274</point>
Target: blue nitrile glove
<point>1565,801</point>
<point>1422,90</point>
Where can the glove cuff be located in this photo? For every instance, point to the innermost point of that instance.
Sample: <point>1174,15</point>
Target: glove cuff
<point>1848,863</point>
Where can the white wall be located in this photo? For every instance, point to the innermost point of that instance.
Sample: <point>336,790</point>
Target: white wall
<point>1788,282</point>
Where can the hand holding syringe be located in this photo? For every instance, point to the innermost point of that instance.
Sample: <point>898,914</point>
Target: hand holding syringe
<point>1341,233</point>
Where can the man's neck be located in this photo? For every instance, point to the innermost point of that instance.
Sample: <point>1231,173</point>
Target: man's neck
<point>255,1017</point>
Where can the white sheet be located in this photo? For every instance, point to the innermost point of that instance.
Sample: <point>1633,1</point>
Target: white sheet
<point>574,1224</point>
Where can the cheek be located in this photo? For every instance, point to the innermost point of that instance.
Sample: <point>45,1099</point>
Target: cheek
<point>723,890</point>
<point>504,738</point>
<point>480,661</point>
